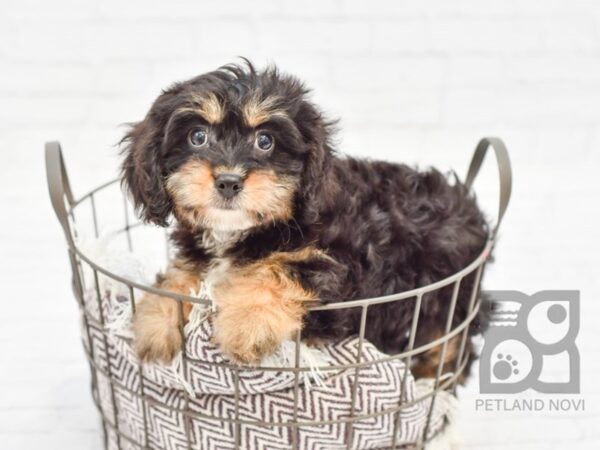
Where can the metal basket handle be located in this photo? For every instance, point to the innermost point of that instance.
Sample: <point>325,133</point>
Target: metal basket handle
<point>504,170</point>
<point>59,187</point>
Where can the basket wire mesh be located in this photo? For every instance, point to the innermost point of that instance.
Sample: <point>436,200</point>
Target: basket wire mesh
<point>69,211</point>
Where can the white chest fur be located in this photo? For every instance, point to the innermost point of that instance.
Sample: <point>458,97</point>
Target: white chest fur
<point>216,243</point>
<point>215,275</point>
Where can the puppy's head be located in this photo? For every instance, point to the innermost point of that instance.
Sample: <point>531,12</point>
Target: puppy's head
<point>229,150</point>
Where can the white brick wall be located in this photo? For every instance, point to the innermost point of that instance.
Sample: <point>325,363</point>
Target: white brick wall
<point>414,81</point>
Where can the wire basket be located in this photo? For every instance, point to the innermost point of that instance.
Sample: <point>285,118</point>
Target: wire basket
<point>107,202</point>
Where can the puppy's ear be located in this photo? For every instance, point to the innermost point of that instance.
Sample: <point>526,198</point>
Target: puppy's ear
<point>141,169</point>
<point>319,187</point>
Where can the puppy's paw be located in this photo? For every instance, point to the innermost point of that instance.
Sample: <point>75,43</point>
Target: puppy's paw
<point>259,306</point>
<point>156,332</point>
<point>245,344</point>
<point>247,335</point>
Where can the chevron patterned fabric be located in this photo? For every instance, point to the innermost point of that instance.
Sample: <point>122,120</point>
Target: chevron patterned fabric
<point>193,405</point>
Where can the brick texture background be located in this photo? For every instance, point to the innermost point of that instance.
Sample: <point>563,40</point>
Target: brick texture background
<point>412,81</point>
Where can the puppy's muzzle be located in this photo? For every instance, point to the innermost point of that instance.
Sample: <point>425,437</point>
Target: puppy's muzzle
<point>229,185</point>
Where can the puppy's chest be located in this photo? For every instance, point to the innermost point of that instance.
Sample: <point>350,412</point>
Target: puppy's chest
<point>216,245</point>
<point>223,265</point>
<point>216,273</point>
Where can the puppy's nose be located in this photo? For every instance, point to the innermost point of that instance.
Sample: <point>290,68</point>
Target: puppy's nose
<point>229,184</point>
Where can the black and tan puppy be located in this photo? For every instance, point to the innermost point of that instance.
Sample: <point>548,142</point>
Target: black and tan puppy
<point>270,218</point>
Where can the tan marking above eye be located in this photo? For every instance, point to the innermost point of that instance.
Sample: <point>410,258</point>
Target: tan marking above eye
<point>257,111</point>
<point>209,107</point>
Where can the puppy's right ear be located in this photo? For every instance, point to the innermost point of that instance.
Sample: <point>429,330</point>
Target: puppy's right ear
<point>141,170</point>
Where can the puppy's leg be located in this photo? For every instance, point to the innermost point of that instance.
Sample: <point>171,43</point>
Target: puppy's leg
<point>426,365</point>
<point>156,320</point>
<point>259,306</point>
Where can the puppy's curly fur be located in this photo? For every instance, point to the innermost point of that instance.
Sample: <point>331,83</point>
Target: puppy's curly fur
<point>297,223</point>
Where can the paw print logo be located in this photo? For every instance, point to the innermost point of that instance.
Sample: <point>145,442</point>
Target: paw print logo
<point>526,334</point>
<point>505,367</point>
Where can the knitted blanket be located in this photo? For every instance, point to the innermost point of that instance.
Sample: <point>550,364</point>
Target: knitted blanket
<point>183,400</point>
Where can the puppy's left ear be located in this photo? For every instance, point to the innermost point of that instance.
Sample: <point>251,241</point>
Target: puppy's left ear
<point>141,169</point>
<point>315,131</point>
<point>319,188</point>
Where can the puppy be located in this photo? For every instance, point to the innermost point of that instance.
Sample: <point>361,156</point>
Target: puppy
<point>270,218</point>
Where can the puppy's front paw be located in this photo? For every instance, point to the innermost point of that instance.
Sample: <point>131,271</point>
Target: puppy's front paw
<point>247,335</point>
<point>259,306</point>
<point>245,344</point>
<point>156,333</point>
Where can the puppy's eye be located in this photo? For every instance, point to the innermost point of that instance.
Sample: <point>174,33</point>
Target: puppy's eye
<point>198,137</point>
<point>264,142</point>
